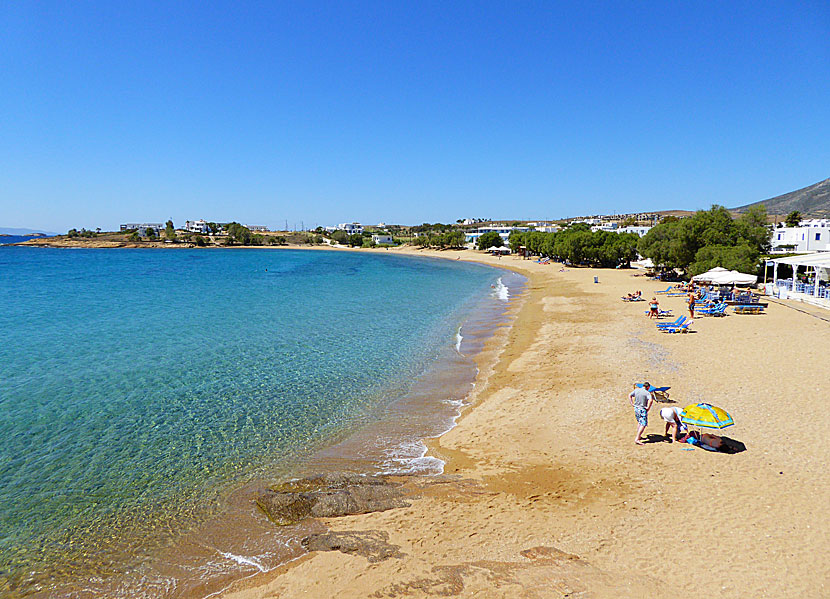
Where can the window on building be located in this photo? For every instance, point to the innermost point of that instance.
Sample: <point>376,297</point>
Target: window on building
<point>818,236</point>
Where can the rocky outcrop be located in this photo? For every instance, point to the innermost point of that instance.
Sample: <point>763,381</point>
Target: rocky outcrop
<point>372,544</point>
<point>330,496</point>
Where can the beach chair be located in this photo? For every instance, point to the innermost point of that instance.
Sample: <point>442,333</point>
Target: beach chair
<point>676,323</point>
<point>683,328</point>
<point>716,310</point>
<point>660,393</point>
<point>748,309</point>
<point>661,313</point>
<point>666,290</point>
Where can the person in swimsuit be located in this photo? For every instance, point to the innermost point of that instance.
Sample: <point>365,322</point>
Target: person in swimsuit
<point>654,306</point>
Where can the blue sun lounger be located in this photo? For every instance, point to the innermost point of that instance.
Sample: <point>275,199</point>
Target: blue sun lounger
<point>716,310</point>
<point>664,325</point>
<point>666,290</point>
<point>683,328</point>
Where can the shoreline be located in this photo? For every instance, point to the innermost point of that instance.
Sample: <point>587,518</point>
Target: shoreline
<point>545,494</point>
<point>240,500</point>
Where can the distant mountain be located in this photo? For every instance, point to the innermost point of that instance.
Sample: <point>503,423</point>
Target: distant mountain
<point>812,202</point>
<point>12,231</point>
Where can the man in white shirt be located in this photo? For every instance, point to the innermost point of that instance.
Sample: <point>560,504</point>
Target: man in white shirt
<point>672,418</point>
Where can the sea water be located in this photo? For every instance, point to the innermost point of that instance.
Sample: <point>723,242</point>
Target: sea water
<point>139,388</point>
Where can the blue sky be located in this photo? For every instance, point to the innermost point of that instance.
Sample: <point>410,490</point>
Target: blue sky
<point>404,112</point>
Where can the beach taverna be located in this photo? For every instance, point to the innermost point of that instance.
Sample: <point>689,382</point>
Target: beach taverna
<point>817,292</point>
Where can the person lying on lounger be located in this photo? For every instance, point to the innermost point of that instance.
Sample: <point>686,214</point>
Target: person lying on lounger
<point>704,441</point>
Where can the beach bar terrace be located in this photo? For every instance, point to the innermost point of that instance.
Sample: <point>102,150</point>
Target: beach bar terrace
<point>816,289</point>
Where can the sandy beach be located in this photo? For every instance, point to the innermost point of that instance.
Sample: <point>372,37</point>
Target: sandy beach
<point>546,495</point>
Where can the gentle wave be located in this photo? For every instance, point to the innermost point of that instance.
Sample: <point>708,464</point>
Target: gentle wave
<point>501,291</point>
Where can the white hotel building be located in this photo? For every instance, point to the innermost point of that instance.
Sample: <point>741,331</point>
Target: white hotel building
<point>812,235</point>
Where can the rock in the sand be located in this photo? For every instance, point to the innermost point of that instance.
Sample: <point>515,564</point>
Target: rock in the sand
<point>372,544</point>
<point>330,496</point>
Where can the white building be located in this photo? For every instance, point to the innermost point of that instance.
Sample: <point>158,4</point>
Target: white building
<point>503,231</point>
<point>196,226</point>
<point>257,228</point>
<point>813,235</point>
<point>351,228</point>
<point>382,239</point>
<point>609,227</point>
<point>634,229</point>
<point>158,228</point>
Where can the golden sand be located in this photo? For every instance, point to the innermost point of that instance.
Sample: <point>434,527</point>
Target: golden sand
<point>546,495</point>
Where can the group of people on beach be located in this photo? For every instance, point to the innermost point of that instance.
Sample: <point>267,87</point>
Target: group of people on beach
<point>642,398</point>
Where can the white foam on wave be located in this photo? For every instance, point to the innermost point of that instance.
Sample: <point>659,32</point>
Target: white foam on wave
<point>410,457</point>
<point>243,561</point>
<point>458,339</point>
<point>500,291</point>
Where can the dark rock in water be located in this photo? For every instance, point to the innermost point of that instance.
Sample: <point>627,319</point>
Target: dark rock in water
<point>372,544</point>
<point>330,496</point>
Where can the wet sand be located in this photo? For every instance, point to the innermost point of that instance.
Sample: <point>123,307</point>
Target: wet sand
<point>546,495</point>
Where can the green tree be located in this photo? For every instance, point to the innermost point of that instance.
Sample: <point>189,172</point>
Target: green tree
<point>150,233</point>
<point>355,240</point>
<point>678,243</point>
<point>743,258</point>
<point>200,241</point>
<point>340,237</point>
<point>169,231</point>
<point>516,240</point>
<point>213,228</point>
<point>793,219</point>
<point>455,239</point>
<point>490,239</point>
<point>239,234</point>
<point>134,236</point>
<point>72,233</point>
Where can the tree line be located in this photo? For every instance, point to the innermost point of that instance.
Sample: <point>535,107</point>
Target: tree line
<point>578,245</point>
<point>707,239</point>
<point>449,239</point>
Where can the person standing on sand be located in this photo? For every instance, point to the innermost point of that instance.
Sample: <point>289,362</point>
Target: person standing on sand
<point>641,400</point>
<point>654,308</point>
<point>691,305</point>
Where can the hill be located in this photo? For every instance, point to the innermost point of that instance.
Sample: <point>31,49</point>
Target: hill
<point>812,202</point>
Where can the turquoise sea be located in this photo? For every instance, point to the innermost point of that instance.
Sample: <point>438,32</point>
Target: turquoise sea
<point>140,388</point>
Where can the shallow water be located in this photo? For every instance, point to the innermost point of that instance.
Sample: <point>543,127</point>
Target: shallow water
<point>141,387</point>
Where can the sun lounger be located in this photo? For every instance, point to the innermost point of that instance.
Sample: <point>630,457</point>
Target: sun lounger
<point>676,323</point>
<point>660,393</point>
<point>666,290</point>
<point>716,310</point>
<point>748,309</point>
<point>683,328</point>
<point>661,313</point>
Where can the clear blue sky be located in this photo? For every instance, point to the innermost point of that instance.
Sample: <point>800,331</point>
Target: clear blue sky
<point>404,112</point>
